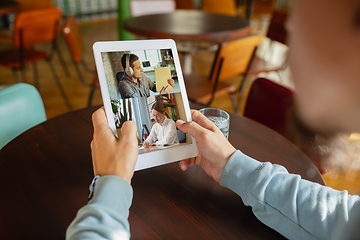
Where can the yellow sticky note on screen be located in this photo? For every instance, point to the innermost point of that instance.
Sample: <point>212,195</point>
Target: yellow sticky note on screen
<point>162,74</point>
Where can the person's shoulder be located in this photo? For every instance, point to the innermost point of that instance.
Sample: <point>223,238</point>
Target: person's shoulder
<point>156,127</point>
<point>125,89</point>
<point>143,75</point>
<point>124,84</point>
<point>170,121</point>
<point>120,76</point>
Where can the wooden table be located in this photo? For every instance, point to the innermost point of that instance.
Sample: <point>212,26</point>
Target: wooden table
<point>189,26</point>
<point>46,171</point>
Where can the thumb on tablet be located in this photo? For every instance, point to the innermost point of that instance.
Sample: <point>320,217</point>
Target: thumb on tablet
<point>100,122</point>
<point>203,121</point>
<point>128,130</point>
<point>112,156</point>
<point>199,125</point>
<point>191,128</point>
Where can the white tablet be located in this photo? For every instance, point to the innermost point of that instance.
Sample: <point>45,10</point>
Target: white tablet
<point>142,81</point>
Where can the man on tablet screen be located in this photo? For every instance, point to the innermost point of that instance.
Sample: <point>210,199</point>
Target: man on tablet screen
<point>134,82</point>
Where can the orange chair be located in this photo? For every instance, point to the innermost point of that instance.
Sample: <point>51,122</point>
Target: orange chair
<point>233,58</point>
<point>27,5</point>
<point>31,28</point>
<point>75,43</point>
<point>7,35</point>
<point>225,7</point>
<point>184,4</point>
<point>259,8</point>
<point>21,6</point>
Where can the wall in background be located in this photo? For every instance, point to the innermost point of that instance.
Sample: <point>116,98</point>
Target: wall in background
<point>111,70</point>
<point>88,10</point>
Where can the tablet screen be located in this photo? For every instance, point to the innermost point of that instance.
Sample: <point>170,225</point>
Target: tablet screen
<point>143,87</point>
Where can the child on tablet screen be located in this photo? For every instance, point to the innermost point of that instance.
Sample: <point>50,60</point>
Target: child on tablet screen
<point>164,131</point>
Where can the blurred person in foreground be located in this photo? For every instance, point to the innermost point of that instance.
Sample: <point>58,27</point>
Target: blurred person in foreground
<point>324,38</point>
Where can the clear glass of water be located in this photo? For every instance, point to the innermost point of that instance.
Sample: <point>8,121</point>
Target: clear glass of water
<point>219,117</point>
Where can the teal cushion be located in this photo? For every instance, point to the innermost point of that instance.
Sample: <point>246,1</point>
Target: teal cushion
<point>21,108</point>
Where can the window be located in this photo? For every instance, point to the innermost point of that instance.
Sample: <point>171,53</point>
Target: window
<point>149,55</point>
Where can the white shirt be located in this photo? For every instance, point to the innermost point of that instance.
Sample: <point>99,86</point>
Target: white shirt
<point>164,133</point>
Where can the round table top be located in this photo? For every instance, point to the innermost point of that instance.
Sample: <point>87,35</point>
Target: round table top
<point>189,25</point>
<point>45,173</point>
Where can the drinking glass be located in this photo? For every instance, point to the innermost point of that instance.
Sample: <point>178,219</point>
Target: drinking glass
<point>219,117</point>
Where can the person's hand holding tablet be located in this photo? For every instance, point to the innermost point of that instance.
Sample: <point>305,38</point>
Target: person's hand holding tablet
<point>127,92</point>
<point>116,158</point>
<point>112,155</point>
<point>214,149</point>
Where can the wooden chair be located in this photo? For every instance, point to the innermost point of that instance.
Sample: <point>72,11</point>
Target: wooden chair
<point>184,4</point>
<point>233,58</point>
<point>27,5</point>
<point>75,43</point>
<point>225,7</point>
<point>31,28</point>
<point>7,35</point>
<point>276,33</point>
<point>263,7</point>
<point>21,6</point>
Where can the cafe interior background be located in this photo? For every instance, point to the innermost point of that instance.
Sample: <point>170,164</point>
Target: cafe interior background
<point>101,20</point>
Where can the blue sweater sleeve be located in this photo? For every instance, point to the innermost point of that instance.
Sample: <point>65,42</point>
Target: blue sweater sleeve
<point>296,208</point>
<point>106,214</point>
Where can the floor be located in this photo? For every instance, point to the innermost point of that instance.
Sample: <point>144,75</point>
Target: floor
<point>78,93</point>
